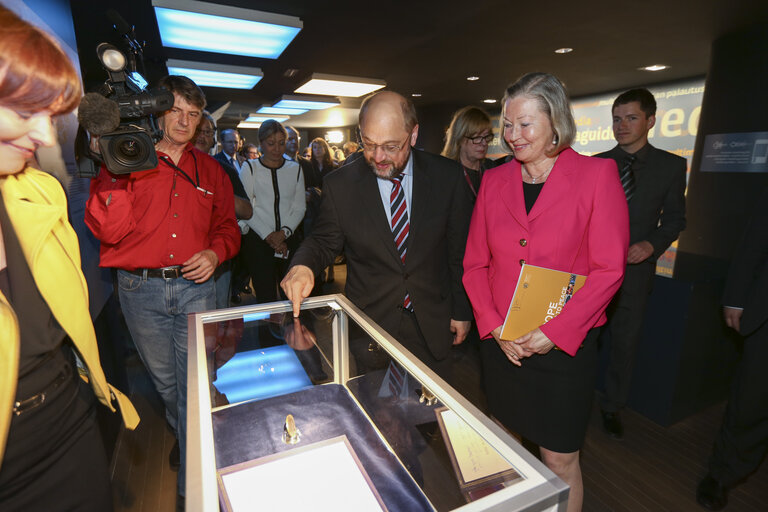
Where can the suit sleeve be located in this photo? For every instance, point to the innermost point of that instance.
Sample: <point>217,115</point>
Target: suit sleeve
<point>224,233</point>
<point>672,220</point>
<point>477,260</point>
<point>458,227</point>
<point>327,239</point>
<point>607,238</point>
<point>750,258</point>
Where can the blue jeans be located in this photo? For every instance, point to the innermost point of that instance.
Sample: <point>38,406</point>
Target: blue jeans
<point>223,279</point>
<point>156,311</point>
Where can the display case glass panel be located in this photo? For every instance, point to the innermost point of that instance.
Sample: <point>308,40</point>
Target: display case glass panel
<point>416,442</point>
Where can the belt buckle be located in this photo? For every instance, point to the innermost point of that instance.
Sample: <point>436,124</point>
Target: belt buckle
<point>170,273</point>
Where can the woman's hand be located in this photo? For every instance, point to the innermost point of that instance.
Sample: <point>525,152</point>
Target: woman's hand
<point>275,239</point>
<point>535,342</point>
<point>513,352</point>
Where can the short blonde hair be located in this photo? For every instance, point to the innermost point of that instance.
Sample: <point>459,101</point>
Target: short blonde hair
<point>466,122</point>
<point>551,95</point>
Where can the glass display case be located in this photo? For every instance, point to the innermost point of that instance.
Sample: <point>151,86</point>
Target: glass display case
<point>329,412</point>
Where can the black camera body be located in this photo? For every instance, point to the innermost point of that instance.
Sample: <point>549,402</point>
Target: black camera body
<point>131,146</point>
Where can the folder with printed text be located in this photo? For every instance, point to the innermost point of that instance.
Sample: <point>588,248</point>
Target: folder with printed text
<point>540,295</point>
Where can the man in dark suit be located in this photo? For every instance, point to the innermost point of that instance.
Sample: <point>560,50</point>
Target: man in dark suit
<point>742,442</point>
<point>230,140</point>
<point>411,288</point>
<point>654,183</point>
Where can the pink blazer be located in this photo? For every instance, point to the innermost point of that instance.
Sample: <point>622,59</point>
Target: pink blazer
<point>579,224</point>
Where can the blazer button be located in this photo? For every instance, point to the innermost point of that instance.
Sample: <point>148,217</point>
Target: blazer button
<point>523,242</point>
<point>522,262</point>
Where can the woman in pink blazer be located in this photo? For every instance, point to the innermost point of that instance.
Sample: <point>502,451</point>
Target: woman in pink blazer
<point>554,208</point>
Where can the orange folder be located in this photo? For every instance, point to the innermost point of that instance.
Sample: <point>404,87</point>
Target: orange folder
<point>540,295</point>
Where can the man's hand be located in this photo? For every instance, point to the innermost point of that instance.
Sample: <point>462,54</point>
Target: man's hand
<point>639,252</point>
<point>297,285</point>
<point>460,329</point>
<point>200,266</point>
<point>733,317</point>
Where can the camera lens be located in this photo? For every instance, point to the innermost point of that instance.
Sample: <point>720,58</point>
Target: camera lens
<point>130,149</point>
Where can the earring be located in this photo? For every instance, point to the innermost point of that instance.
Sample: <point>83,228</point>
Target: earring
<point>554,140</point>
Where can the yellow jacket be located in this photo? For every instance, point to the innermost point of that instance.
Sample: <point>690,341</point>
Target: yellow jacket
<point>37,209</point>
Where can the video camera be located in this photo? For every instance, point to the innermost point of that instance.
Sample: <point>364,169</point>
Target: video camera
<point>122,113</point>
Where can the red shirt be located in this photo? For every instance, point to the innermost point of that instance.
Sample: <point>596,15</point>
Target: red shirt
<point>158,218</point>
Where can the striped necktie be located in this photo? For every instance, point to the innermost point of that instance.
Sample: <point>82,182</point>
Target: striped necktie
<point>400,225</point>
<point>627,176</point>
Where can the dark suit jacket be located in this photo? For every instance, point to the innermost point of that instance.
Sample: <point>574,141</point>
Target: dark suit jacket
<point>352,218</point>
<point>234,177</point>
<point>747,283</point>
<point>657,208</point>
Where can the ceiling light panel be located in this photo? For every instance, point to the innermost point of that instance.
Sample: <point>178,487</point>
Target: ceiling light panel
<point>305,102</point>
<point>207,27</point>
<point>215,75</point>
<point>336,85</point>
<point>281,111</point>
<point>260,119</point>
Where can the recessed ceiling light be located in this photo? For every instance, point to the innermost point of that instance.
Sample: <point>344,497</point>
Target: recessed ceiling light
<point>655,67</point>
<point>246,124</point>
<point>473,78</point>
<point>215,75</point>
<point>336,85</point>
<point>416,94</point>
<point>489,100</point>
<point>208,27</point>
<point>565,49</point>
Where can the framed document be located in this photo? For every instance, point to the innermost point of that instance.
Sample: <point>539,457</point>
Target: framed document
<point>476,464</point>
<point>321,476</point>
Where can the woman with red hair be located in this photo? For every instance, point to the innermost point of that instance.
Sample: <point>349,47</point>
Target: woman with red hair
<point>51,453</point>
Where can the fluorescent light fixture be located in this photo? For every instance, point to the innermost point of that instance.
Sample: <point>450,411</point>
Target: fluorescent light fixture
<point>244,124</point>
<point>416,94</point>
<point>655,67</point>
<point>253,118</point>
<point>281,111</point>
<point>334,137</point>
<point>306,102</point>
<point>337,85</point>
<point>216,75</point>
<point>208,27</point>
<point>564,50</point>
<point>473,78</point>
<point>489,100</point>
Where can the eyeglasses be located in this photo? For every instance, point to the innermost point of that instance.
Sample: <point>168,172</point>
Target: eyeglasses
<point>390,149</point>
<point>479,139</point>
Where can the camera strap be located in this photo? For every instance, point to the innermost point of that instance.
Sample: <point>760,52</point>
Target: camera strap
<point>186,176</point>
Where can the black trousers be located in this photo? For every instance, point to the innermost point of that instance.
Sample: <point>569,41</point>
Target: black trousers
<point>625,325</point>
<point>742,442</point>
<point>265,270</point>
<point>55,458</point>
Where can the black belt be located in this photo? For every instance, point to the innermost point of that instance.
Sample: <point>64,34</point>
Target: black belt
<point>165,272</point>
<point>21,406</point>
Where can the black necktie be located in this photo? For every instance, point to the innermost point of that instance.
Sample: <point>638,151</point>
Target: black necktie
<point>627,176</point>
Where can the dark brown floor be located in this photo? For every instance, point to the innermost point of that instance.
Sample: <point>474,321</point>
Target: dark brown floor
<point>653,469</point>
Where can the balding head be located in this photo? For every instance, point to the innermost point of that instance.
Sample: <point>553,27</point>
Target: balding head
<point>388,129</point>
<point>389,105</point>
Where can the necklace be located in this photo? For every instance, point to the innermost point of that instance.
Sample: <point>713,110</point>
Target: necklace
<point>543,176</point>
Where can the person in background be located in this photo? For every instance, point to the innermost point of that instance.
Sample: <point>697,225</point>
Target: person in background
<point>466,141</point>
<point>654,186</point>
<point>275,187</point>
<point>742,441</point>
<point>322,158</point>
<point>52,455</point>
<point>553,208</point>
<point>250,152</point>
<point>204,142</point>
<point>349,148</point>
<point>230,144</point>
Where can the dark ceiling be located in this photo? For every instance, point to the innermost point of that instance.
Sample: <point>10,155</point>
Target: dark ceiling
<point>431,47</point>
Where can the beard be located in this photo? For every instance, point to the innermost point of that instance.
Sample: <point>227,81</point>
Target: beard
<point>394,168</point>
